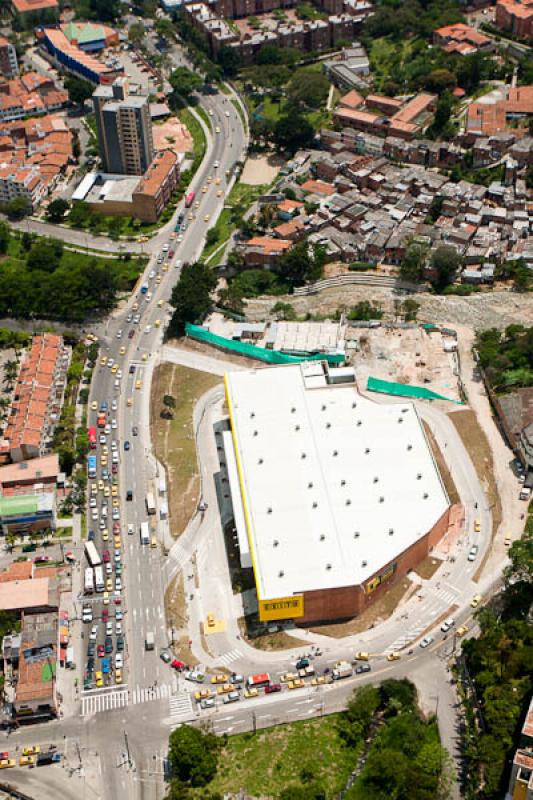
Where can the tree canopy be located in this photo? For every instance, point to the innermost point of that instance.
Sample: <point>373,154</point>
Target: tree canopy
<point>78,90</point>
<point>445,261</point>
<point>57,209</point>
<point>507,356</point>
<point>308,89</point>
<point>301,263</point>
<point>193,755</point>
<point>184,82</point>
<point>293,131</point>
<point>191,296</point>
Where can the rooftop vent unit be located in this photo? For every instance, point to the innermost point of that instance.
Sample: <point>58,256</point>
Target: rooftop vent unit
<point>322,537</point>
<point>310,485</point>
<point>328,566</point>
<point>252,414</point>
<point>348,502</point>
<point>296,427</point>
<point>293,409</point>
<point>426,495</point>
<point>260,461</point>
<point>356,535</point>
<point>364,563</point>
<point>409,446</point>
<point>367,450</point>
<point>328,424</point>
<point>303,455</point>
<point>343,482</point>
<point>335,452</point>
<point>275,543</point>
<point>391,531</point>
<point>281,574</point>
<point>418,476</point>
<point>315,504</point>
<point>376,479</point>
<point>381,499</point>
<point>269,510</point>
<point>255,433</point>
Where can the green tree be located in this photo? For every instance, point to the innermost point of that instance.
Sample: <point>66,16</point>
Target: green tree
<point>410,309</point>
<point>45,255</point>
<point>79,91</point>
<point>26,241</point>
<point>4,237</point>
<point>57,209</point>
<point>529,174</point>
<point>441,126</point>
<point>293,131</point>
<point>191,296</point>
<point>170,404</point>
<point>193,755</point>
<point>439,80</point>
<point>18,208</point>
<point>301,263</point>
<point>184,82</point>
<point>446,261</point>
<point>365,310</point>
<point>308,89</point>
<point>229,61</point>
<point>136,32</point>
<point>413,262</point>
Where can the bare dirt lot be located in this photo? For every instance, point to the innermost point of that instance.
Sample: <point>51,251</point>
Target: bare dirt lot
<point>479,311</point>
<point>173,437</point>
<point>260,169</point>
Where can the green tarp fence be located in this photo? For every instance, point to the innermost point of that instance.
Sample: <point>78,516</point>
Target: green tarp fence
<point>259,353</point>
<point>405,390</point>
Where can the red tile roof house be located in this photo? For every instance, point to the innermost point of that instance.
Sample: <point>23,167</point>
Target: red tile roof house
<point>263,251</point>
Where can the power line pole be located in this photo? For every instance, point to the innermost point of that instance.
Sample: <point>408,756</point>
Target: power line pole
<point>127,748</point>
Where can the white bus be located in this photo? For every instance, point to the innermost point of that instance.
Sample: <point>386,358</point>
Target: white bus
<point>99,579</point>
<point>89,580</point>
<point>145,533</point>
<point>93,556</point>
<point>150,503</point>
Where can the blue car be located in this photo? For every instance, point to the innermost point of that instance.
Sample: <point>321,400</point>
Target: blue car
<point>90,536</point>
<point>126,445</point>
<point>103,405</point>
<point>106,665</point>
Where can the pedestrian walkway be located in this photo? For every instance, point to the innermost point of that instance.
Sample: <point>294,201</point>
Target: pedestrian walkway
<point>144,694</point>
<point>179,555</point>
<point>228,658</point>
<point>181,708</point>
<point>437,602</point>
<point>105,700</point>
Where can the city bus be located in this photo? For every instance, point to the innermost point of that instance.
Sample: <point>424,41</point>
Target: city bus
<point>91,466</point>
<point>91,433</point>
<point>150,503</point>
<point>92,554</point>
<point>99,579</point>
<point>189,199</point>
<point>89,580</point>
<point>145,533</point>
<point>258,681</point>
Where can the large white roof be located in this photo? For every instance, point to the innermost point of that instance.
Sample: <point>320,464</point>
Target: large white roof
<point>335,485</point>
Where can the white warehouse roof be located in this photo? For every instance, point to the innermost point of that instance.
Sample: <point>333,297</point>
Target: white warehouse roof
<point>335,485</point>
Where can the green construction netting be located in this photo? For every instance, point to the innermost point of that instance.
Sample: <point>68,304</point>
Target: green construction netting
<point>404,390</point>
<point>259,353</point>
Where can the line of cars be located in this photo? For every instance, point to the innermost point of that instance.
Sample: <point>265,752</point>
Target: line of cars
<point>31,756</point>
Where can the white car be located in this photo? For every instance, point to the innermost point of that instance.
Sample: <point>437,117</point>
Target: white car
<point>110,363</point>
<point>93,636</point>
<point>216,164</point>
<point>92,502</point>
<point>227,113</point>
<point>119,375</point>
<point>102,439</point>
<point>119,615</point>
<point>447,624</point>
<point>103,512</point>
<point>116,514</point>
<point>426,641</point>
<point>107,428</point>
<point>94,514</point>
<point>114,405</point>
<point>131,529</point>
<point>118,584</point>
<point>152,274</point>
<point>108,568</point>
<point>114,424</point>
<point>166,248</point>
<point>472,553</point>
<point>119,334</point>
<point>119,660</point>
<point>109,628</point>
<point>102,524</point>
<point>114,445</point>
<point>118,628</point>
<point>148,329</point>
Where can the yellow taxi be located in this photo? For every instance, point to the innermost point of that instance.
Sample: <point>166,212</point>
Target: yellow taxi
<point>477,525</point>
<point>320,681</point>
<point>158,280</point>
<point>130,402</point>
<point>114,490</point>
<point>118,676</point>
<point>225,688</point>
<point>94,489</point>
<point>105,535</point>
<point>31,751</point>
<point>160,304</point>
<point>99,678</point>
<point>157,323</point>
<point>252,692</point>
<point>210,619</point>
<point>105,450</point>
<point>217,129</point>
<point>109,585</point>
<point>173,235</point>
<point>204,189</point>
<point>393,656</point>
<point>508,539</point>
<point>164,269</point>
<point>122,351</point>
<point>476,600</point>
<point>117,542</point>
<point>114,369</point>
<point>202,694</point>
<point>297,684</point>
<point>101,485</point>
<point>135,307</point>
<point>94,405</point>
<point>106,491</point>
<point>220,193</point>
<point>219,678</point>
<point>153,541</point>
<point>116,502</point>
<point>206,218</point>
<point>191,216</point>
<point>138,384</point>
<point>5,763</point>
<point>217,181</point>
<point>27,761</point>
<point>142,239</point>
<point>105,598</point>
<point>197,204</point>
<point>462,630</point>
<point>209,179</point>
<point>288,676</point>
<point>103,361</point>
<point>144,357</point>
<point>103,460</point>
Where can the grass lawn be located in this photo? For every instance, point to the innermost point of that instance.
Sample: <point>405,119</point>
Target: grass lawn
<point>267,762</point>
<point>242,194</point>
<point>195,129</point>
<point>386,55</point>
<point>174,438</point>
<point>205,116</point>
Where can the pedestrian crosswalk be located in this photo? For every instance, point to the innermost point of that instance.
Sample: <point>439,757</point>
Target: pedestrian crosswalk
<point>437,602</point>
<point>181,708</point>
<point>106,700</point>
<point>145,694</point>
<point>179,555</point>
<point>229,658</point>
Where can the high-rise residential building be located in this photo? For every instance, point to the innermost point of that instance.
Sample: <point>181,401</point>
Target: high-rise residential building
<point>124,129</point>
<point>8,59</point>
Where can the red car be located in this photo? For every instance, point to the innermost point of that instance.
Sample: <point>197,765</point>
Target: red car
<point>114,468</point>
<point>177,664</point>
<point>116,527</point>
<point>105,614</point>
<point>106,555</point>
<point>274,687</point>
<point>171,253</point>
<point>100,651</point>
